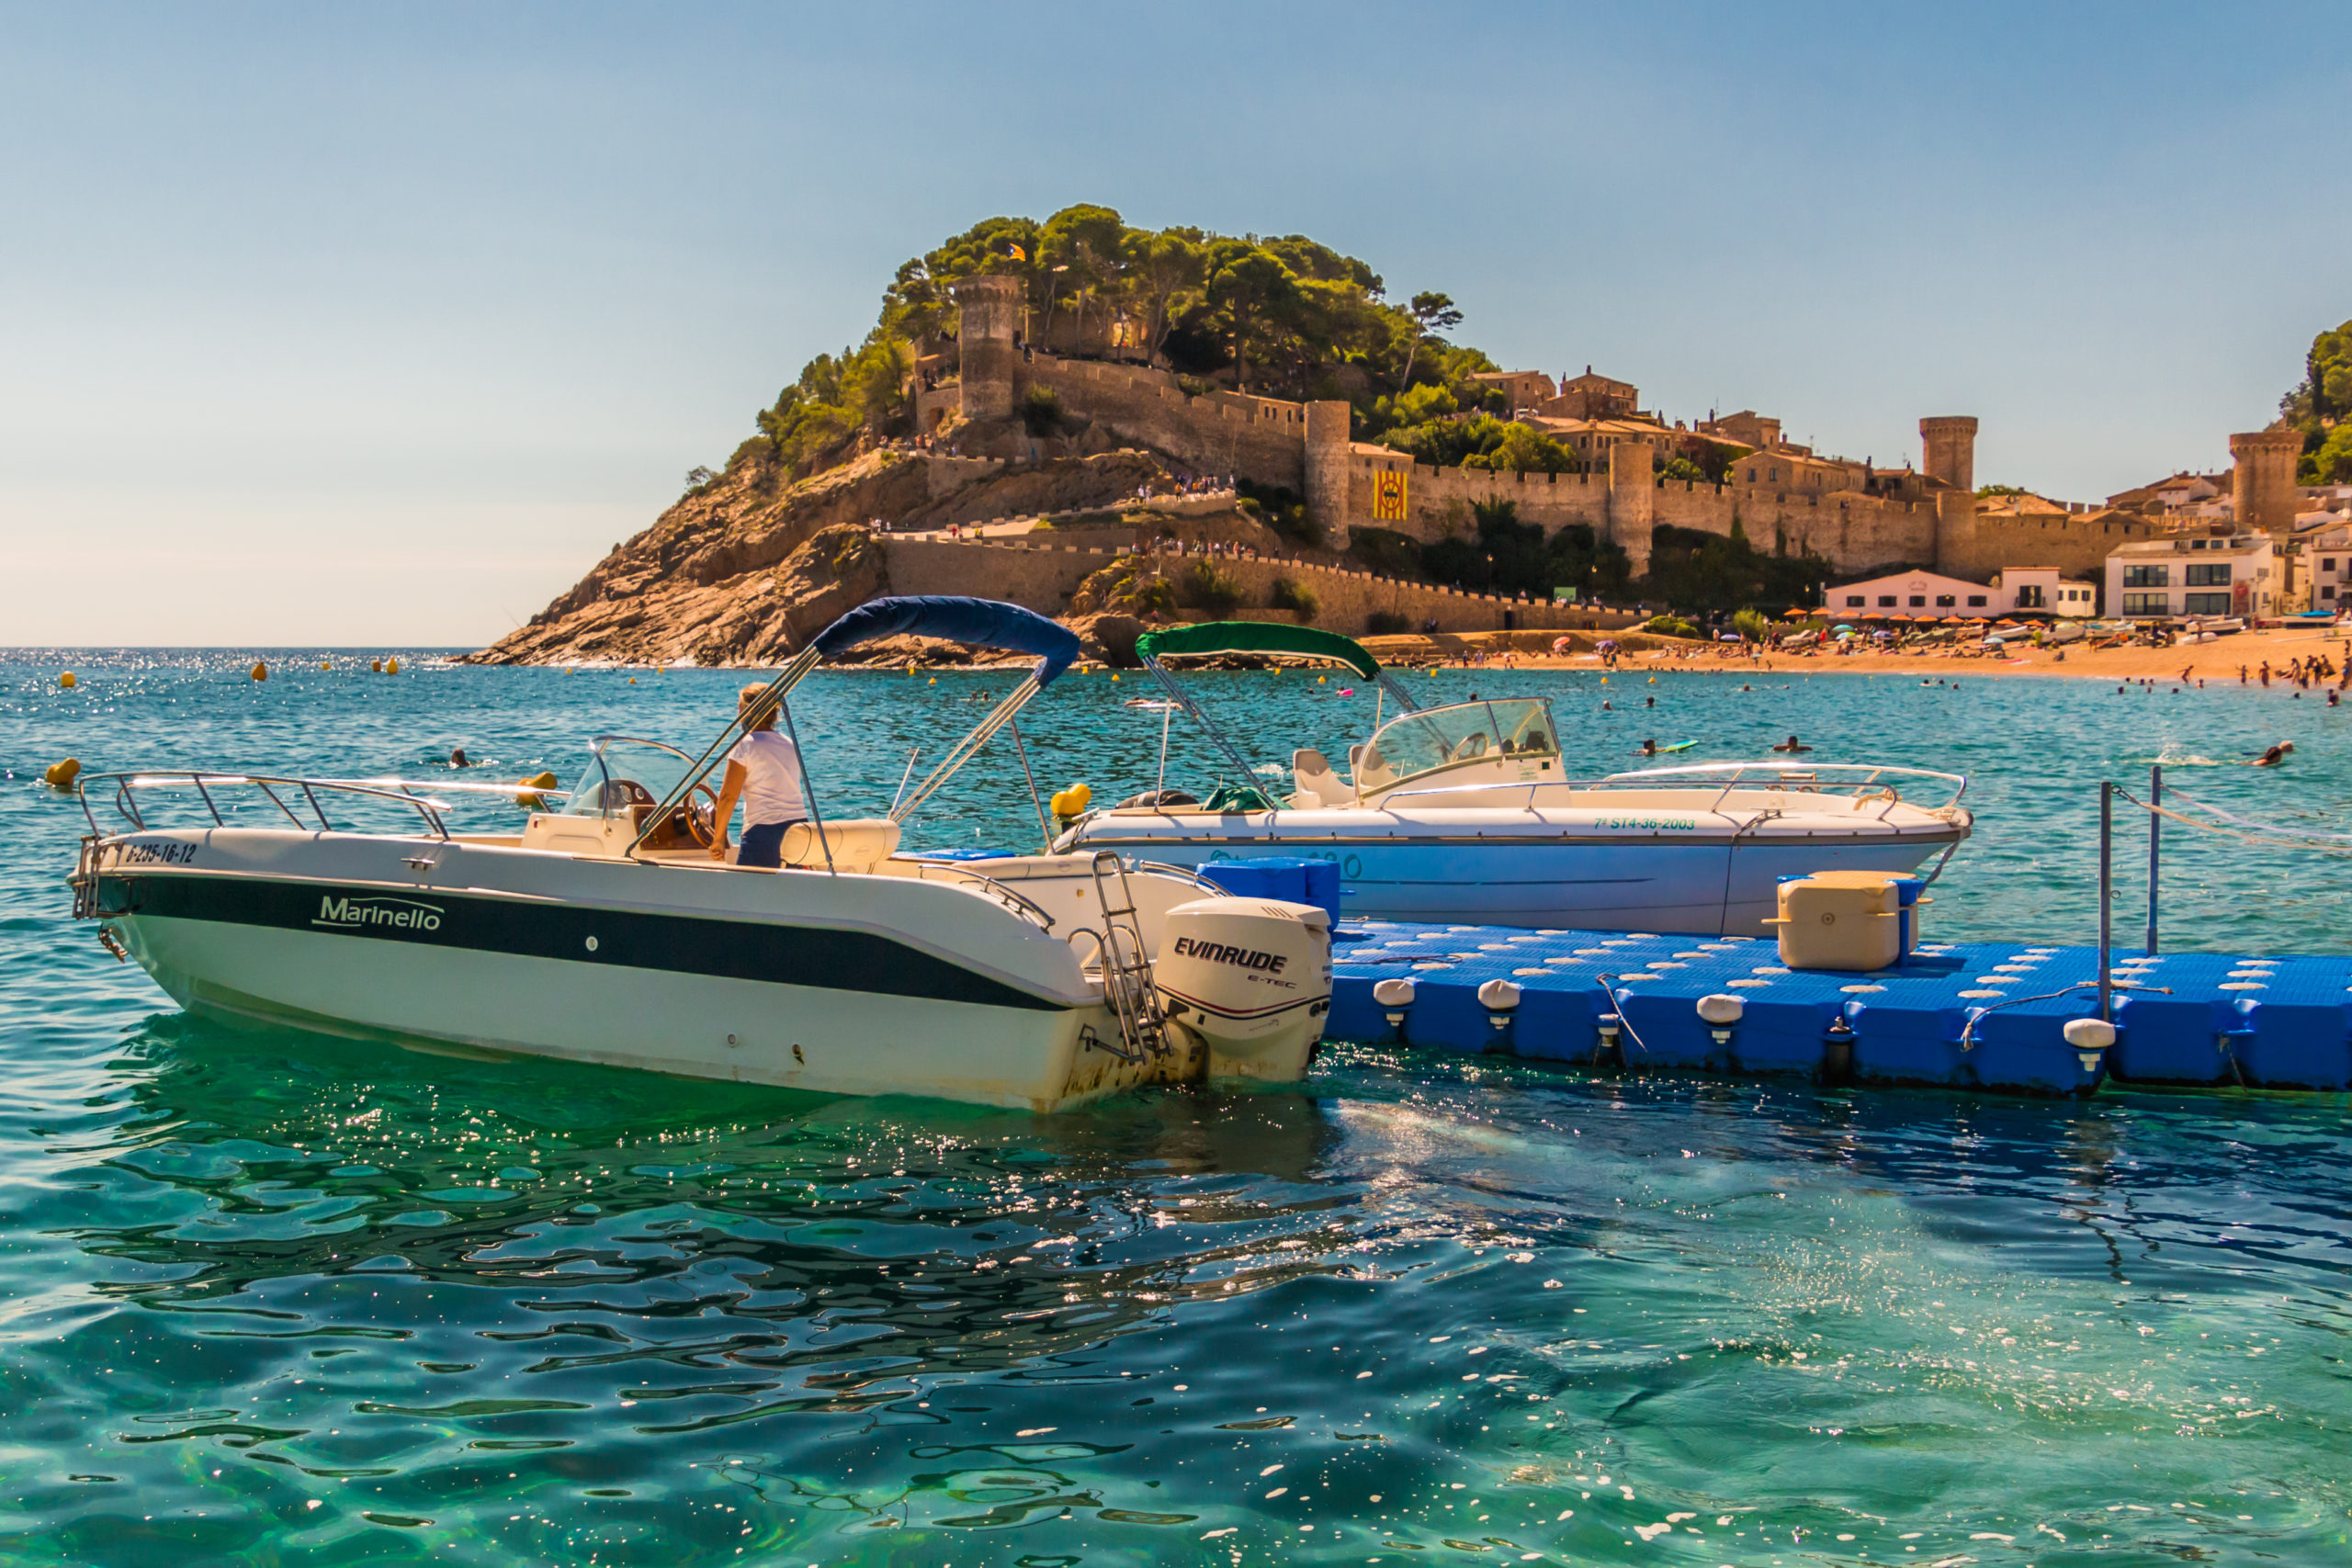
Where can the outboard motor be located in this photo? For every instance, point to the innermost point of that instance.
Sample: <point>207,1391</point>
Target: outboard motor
<point>1248,982</point>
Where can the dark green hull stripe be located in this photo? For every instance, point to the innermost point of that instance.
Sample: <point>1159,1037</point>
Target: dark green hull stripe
<point>683,945</point>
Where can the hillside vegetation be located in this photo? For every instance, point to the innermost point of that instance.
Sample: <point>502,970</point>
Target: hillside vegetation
<point>1284,316</point>
<point>2319,407</point>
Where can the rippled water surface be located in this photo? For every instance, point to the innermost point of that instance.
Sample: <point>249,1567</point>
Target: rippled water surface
<point>276,1298</point>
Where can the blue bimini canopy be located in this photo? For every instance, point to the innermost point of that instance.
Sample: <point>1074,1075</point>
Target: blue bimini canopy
<point>984,622</point>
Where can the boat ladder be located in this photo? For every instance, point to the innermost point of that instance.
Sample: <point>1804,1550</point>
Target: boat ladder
<point>1126,963</point>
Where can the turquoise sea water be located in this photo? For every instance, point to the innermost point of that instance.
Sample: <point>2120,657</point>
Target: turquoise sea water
<point>273,1298</point>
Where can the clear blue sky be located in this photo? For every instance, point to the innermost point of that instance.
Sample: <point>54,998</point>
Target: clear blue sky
<point>377,325</point>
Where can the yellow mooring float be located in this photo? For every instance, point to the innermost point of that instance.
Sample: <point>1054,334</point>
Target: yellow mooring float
<point>67,681</point>
<point>392,666</point>
<point>260,671</point>
<point>375,667</point>
<point>60,775</point>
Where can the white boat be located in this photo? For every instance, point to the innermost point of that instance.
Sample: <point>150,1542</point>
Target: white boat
<point>1463,813</point>
<point>605,932</point>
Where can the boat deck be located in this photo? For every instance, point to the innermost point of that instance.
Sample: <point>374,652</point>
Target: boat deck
<point>2264,1023</point>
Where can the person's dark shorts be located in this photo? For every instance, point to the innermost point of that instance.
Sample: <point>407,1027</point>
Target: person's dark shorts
<point>764,845</point>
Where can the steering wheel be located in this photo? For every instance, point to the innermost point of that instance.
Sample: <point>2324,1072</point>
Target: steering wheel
<point>1470,746</point>
<point>701,822</point>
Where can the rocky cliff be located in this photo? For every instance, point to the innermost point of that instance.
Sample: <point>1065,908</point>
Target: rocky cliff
<point>745,568</point>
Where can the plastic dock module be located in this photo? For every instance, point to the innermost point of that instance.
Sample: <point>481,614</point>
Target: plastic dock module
<point>1979,1015</point>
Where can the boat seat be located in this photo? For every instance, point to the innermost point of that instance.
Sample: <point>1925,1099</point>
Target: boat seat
<point>1317,785</point>
<point>858,844</point>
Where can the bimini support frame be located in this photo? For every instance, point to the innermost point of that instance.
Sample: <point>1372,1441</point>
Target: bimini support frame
<point>795,670</point>
<point>963,750</point>
<point>1255,636</point>
<point>983,623</point>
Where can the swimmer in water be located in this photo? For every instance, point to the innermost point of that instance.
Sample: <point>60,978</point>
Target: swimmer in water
<point>1791,744</point>
<point>457,758</point>
<point>1649,746</point>
<point>2272,758</point>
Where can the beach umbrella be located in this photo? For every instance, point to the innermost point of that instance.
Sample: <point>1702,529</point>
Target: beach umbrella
<point>1796,614</point>
<point>1955,621</point>
<point>1605,645</point>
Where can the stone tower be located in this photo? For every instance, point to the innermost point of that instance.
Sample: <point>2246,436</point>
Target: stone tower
<point>1949,446</point>
<point>990,309</point>
<point>2263,487</point>
<point>1327,470</point>
<point>1633,501</point>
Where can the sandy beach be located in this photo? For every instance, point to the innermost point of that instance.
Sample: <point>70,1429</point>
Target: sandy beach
<point>2214,663</point>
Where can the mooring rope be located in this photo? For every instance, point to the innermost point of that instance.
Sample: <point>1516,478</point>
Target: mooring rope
<point>2269,835</point>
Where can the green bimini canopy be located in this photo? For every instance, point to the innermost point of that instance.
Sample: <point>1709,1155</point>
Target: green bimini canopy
<point>1258,637</point>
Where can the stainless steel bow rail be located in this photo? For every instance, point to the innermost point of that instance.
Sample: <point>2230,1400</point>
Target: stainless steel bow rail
<point>1860,781</point>
<point>123,792</point>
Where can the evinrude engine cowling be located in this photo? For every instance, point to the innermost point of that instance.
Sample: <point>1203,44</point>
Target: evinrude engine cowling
<point>1250,981</point>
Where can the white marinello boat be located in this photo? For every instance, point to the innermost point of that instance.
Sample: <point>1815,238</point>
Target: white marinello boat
<point>1464,813</point>
<point>604,933</point>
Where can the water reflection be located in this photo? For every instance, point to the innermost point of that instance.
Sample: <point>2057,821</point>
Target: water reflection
<point>708,1254</point>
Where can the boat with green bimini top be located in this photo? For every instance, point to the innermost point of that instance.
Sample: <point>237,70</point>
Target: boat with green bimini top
<point>1462,812</point>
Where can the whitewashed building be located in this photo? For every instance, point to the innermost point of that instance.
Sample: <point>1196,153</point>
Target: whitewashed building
<point>2189,575</point>
<point>2032,589</point>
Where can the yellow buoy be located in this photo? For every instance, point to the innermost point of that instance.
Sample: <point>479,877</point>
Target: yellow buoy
<point>1653,680</point>
<point>934,680</point>
<point>325,665</point>
<point>375,666</point>
<point>1115,674</point>
<point>534,801</point>
<point>67,681</point>
<point>392,666</point>
<point>60,775</point>
<point>1322,679</point>
<point>1604,680</point>
<point>261,671</point>
<point>1072,801</point>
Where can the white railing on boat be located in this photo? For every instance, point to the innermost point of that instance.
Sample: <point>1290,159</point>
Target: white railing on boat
<point>1816,778</point>
<point>399,792</point>
<point>1857,780</point>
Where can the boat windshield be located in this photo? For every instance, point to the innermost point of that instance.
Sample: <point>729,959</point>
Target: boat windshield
<point>1417,743</point>
<point>622,772</point>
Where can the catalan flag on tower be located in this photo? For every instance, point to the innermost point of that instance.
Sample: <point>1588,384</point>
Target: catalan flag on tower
<point>1388,495</point>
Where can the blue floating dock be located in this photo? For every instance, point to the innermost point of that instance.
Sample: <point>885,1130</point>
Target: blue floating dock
<point>2265,1022</point>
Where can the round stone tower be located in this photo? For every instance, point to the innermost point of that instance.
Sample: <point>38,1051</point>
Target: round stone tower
<point>1326,469</point>
<point>989,311</point>
<point>2263,487</point>
<point>1949,443</point>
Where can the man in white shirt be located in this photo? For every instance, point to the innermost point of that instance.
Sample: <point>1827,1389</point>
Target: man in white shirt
<point>763,772</point>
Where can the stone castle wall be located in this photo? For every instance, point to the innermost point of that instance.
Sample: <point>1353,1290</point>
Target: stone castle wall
<point>1261,439</point>
<point>1043,577</point>
<point>1304,447</point>
<point>1855,533</point>
<point>2076,547</point>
